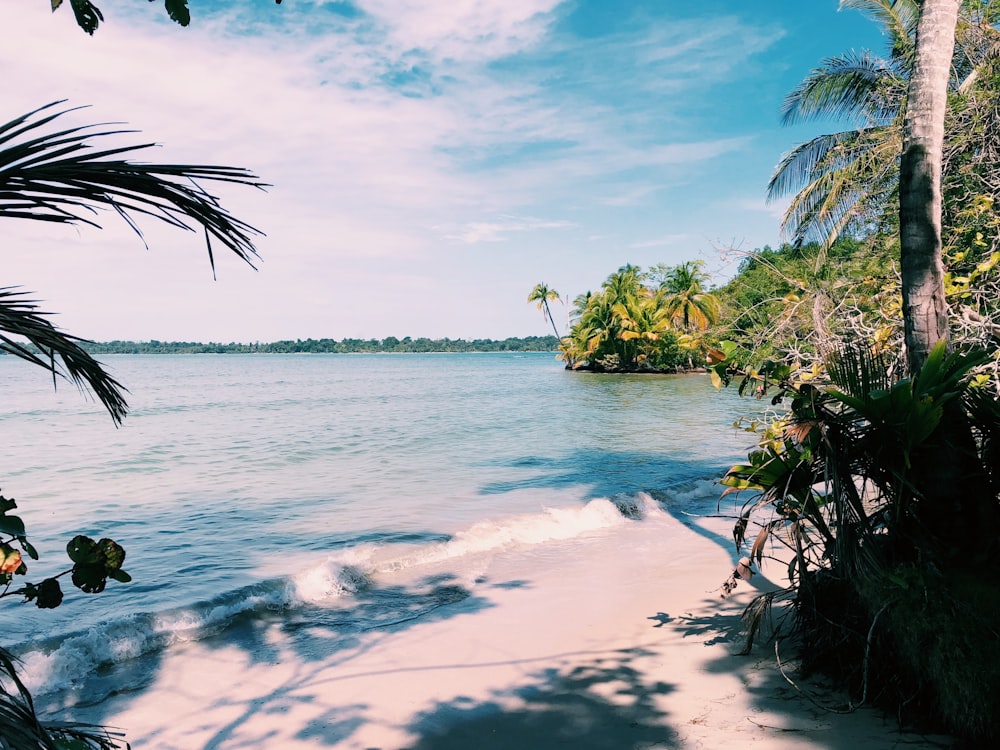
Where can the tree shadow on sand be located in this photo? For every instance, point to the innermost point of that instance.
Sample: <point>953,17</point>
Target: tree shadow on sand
<point>318,636</point>
<point>606,703</point>
<point>780,700</point>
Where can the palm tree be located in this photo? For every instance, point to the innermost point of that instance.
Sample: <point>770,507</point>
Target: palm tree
<point>845,182</point>
<point>925,314</point>
<point>683,299</point>
<point>841,181</point>
<point>57,175</point>
<point>542,294</point>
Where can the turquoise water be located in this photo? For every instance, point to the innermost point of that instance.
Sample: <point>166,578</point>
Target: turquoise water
<point>250,486</point>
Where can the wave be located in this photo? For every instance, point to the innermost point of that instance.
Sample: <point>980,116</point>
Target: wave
<point>365,569</point>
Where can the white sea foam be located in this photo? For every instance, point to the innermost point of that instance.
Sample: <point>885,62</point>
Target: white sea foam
<point>66,662</point>
<point>336,578</point>
<point>697,492</point>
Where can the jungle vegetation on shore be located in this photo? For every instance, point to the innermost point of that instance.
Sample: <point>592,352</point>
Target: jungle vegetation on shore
<point>390,344</point>
<point>875,334</point>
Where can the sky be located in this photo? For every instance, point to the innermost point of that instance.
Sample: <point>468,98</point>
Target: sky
<point>428,162</point>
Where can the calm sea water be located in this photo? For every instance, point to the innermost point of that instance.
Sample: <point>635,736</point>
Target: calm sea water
<point>250,486</point>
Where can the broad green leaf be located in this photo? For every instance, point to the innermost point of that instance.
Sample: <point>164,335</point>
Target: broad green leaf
<point>114,554</point>
<point>49,594</point>
<point>84,551</point>
<point>12,525</point>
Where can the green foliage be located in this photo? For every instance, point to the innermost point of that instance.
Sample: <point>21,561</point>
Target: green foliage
<point>795,303</point>
<point>93,563</point>
<point>389,344</point>
<point>653,321</point>
<point>846,183</point>
<point>838,478</point>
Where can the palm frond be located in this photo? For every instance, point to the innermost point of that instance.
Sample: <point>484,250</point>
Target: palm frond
<point>59,177</point>
<point>26,333</point>
<point>857,370</point>
<point>854,85</point>
<point>846,176</point>
<point>20,728</point>
<point>898,18</point>
<point>799,165</point>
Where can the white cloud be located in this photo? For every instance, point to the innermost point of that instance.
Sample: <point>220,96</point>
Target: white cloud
<point>498,231</point>
<point>460,31</point>
<point>665,241</point>
<point>390,136</point>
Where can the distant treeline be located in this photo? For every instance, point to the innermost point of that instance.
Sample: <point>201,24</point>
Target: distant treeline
<point>329,346</point>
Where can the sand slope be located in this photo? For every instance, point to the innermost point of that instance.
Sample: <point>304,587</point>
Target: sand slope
<point>614,640</point>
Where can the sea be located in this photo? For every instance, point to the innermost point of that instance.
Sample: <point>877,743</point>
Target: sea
<point>309,488</point>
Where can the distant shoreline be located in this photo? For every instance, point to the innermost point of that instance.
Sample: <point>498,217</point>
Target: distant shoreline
<point>329,346</point>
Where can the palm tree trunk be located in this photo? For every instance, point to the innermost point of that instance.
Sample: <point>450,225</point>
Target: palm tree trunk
<point>947,473</point>
<point>925,314</point>
<point>548,314</point>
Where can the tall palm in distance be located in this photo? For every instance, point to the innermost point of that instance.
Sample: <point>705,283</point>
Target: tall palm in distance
<point>542,294</point>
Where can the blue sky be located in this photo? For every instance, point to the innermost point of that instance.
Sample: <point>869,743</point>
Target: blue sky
<point>430,162</point>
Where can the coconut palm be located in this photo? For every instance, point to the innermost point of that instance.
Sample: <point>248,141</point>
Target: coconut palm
<point>54,174</point>
<point>844,182</point>
<point>542,294</point>
<point>841,181</point>
<point>684,300</point>
<point>922,270</point>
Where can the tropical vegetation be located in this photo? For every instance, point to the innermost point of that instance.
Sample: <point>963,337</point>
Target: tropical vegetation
<point>56,173</point>
<point>878,346</point>
<point>642,321</point>
<point>389,344</point>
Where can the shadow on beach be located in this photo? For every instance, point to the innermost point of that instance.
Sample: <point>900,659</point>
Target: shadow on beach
<point>319,638</point>
<point>603,703</point>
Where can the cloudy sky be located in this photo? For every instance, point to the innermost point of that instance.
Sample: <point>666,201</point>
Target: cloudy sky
<point>429,161</point>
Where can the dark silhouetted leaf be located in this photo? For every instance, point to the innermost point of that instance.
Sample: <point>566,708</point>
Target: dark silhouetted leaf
<point>119,575</point>
<point>178,11</point>
<point>91,579</point>
<point>83,550</point>
<point>88,17</point>
<point>49,594</point>
<point>11,525</point>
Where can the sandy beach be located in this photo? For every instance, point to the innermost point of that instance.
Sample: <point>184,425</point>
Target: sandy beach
<point>619,640</point>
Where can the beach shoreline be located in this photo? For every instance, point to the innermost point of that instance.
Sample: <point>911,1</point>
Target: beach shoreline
<point>612,640</point>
